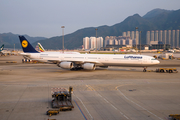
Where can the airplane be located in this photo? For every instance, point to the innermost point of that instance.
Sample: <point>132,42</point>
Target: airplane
<point>2,48</point>
<point>5,51</point>
<point>88,61</point>
<point>170,50</point>
<point>43,50</point>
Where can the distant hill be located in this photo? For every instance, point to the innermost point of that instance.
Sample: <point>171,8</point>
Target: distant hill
<point>157,19</point>
<point>166,20</point>
<point>156,12</point>
<point>9,39</point>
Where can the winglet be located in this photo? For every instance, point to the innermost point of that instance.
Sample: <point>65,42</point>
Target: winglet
<point>26,46</point>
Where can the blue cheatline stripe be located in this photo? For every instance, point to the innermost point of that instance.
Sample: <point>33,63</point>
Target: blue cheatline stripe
<point>81,110</point>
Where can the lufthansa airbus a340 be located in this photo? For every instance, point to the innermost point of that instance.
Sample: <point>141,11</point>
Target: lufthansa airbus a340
<point>87,61</point>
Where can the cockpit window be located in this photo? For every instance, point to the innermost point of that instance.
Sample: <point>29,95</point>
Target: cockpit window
<point>153,59</point>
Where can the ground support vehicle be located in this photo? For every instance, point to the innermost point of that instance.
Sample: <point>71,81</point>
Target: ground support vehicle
<point>168,70</point>
<point>174,117</point>
<point>62,98</point>
<point>52,112</point>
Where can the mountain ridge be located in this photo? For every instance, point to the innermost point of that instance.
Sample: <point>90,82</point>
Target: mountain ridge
<point>163,20</point>
<point>9,39</point>
<point>155,12</point>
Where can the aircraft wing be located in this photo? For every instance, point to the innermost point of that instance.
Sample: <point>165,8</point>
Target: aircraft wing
<point>74,61</point>
<point>82,62</point>
<point>54,61</point>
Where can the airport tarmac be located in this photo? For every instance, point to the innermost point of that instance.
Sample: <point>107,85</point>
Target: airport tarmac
<point>116,93</point>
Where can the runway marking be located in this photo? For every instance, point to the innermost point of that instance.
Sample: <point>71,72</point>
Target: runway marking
<point>89,87</point>
<point>113,106</point>
<point>138,104</point>
<point>107,101</point>
<point>84,107</point>
<point>17,102</point>
<point>81,110</point>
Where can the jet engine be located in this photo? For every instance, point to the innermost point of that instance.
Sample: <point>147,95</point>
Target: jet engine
<point>66,65</point>
<point>89,66</point>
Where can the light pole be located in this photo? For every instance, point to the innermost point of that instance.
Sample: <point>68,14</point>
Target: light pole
<point>96,40</point>
<point>63,37</point>
<point>140,41</point>
<point>136,38</point>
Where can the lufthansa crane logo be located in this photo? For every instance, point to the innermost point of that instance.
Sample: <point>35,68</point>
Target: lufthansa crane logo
<point>24,43</point>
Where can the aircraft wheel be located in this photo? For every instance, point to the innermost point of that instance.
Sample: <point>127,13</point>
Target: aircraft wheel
<point>72,69</point>
<point>162,71</point>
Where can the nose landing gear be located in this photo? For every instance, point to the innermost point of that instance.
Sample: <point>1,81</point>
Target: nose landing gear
<point>144,70</point>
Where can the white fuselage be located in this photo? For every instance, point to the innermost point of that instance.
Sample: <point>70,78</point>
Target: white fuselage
<point>129,60</point>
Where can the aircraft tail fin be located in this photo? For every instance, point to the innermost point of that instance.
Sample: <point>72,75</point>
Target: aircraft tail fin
<point>26,46</point>
<point>41,47</point>
<point>2,47</point>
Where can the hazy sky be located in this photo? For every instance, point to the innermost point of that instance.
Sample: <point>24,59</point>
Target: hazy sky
<point>45,17</point>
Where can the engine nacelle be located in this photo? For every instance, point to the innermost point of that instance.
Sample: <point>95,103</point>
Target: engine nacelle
<point>66,65</point>
<point>89,66</point>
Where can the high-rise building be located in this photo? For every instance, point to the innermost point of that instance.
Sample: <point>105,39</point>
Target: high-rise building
<point>152,35</point>
<point>111,41</point>
<point>106,40</point>
<point>119,42</point>
<point>129,42</point>
<point>137,37</point>
<point>177,38</point>
<point>132,35</point>
<point>99,42</point>
<point>92,41</point>
<point>124,34</point>
<point>164,39</point>
<point>86,42</point>
<point>134,42</point>
<point>173,39</point>
<point>156,35</point>
<point>115,42</point>
<point>148,37</point>
<point>128,34</point>
<point>169,37</point>
<point>123,42</point>
<point>160,35</point>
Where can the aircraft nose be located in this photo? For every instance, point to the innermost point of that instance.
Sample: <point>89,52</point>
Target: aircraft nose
<point>157,62</point>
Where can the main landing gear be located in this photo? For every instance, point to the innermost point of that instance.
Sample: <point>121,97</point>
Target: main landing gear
<point>144,70</point>
<point>76,68</point>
